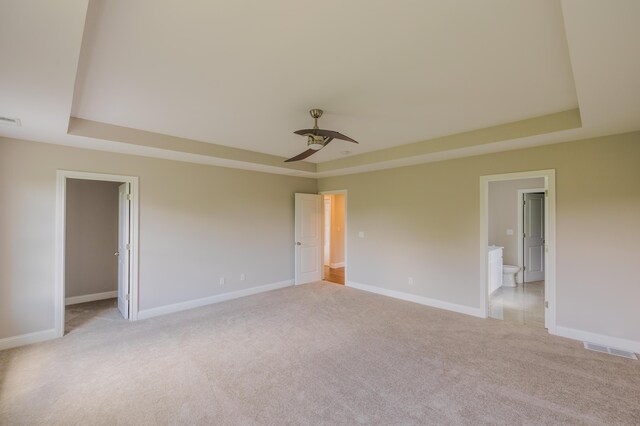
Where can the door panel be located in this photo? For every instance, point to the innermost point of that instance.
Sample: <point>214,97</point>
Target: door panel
<point>534,237</point>
<point>123,249</point>
<point>308,231</point>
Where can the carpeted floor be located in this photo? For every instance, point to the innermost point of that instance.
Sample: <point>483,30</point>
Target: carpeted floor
<point>314,354</point>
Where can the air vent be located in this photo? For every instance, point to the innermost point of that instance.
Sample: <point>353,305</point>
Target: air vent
<point>610,351</point>
<point>10,121</point>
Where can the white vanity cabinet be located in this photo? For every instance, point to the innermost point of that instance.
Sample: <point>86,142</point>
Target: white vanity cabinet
<point>495,268</point>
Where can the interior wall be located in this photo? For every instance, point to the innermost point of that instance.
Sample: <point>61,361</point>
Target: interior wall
<point>197,223</point>
<point>503,214</point>
<point>91,237</point>
<point>427,226</point>
<point>337,231</point>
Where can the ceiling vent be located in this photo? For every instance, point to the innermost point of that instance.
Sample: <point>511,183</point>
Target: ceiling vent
<point>611,351</point>
<point>10,121</point>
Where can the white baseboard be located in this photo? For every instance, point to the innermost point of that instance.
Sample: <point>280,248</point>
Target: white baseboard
<point>462,309</point>
<point>90,297</point>
<point>190,304</point>
<point>27,339</point>
<point>600,339</point>
<point>336,265</point>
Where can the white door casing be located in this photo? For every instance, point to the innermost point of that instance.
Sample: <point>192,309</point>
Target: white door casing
<point>308,238</point>
<point>534,240</point>
<point>123,248</point>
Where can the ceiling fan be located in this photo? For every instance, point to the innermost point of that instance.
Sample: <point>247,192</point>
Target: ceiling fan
<point>317,138</point>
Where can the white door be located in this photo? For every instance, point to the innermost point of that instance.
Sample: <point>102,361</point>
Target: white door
<point>123,249</point>
<point>308,238</point>
<point>533,240</point>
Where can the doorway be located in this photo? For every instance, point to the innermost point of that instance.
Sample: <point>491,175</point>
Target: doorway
<point>96,246</point>
<point>531,302</point>
<point>333,238</point>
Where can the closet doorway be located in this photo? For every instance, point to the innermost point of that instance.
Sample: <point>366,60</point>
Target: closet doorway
<point>96,246</point>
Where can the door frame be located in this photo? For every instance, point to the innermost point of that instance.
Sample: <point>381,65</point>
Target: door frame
<point>346,228</point>
<point>521,192</point>
<point>549,176</point>
<point>60,237</point>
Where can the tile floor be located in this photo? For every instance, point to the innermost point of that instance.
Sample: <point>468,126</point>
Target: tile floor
<point>523,304</point>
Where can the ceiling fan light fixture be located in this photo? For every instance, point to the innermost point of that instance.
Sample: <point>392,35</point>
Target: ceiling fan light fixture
<point>315,142</point>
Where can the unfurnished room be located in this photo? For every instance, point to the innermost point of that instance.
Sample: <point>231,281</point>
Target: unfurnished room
<point>336,212</point>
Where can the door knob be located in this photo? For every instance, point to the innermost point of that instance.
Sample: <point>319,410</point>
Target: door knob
<point>116,253</point>
<point>298,243</point>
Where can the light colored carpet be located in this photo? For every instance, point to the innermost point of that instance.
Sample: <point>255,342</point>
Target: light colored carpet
<point>314,354</point>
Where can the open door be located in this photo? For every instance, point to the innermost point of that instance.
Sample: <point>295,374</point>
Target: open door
<point>308,238</point>
<point>123,248</point>
<point>533,237</point>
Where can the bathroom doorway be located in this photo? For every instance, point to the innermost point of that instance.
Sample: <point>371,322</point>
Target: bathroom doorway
<point>334,237</point>
<point>518,238</point>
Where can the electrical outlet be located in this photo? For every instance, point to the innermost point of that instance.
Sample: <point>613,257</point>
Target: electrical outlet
<point>221,280</point>
<point>410,280</point>
<point>242,277</point>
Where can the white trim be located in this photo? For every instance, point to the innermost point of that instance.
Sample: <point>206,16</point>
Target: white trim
<point>337,265</point>
<point>90,297</point>
<point>434,303</point>
<point>61,190</point>
<point>549,176</point>
<point>196,303</point>
<point>27,339</point>
<point>519,262</point>
<point>600,339</point>
<point>346,228</point>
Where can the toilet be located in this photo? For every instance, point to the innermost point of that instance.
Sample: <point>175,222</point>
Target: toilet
<point>509,275</point>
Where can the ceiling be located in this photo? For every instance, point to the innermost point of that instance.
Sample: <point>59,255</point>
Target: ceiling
<point>227,83</point>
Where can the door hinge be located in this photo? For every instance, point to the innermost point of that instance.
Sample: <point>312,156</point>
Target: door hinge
<point>546,303</point>
<point>524,267</point>
<point>546,193</point>
<point>128,246</point>
<point>546,247</point>
<point>126,296</point>
<point>129,196</point>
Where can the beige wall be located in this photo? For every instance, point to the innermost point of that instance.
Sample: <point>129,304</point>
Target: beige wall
<point>91,237</point>
<point>337,229</point>
<point>197,223</point>
<point>427,226</point>
<point>503,214</point>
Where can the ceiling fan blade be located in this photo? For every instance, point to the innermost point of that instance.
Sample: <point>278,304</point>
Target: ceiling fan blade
<point>325,133</point>
<point>302,156</point>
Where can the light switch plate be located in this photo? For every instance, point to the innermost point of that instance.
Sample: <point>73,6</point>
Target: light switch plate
<point>509,231</point>
<point>361,234</point>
